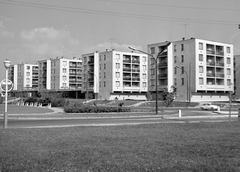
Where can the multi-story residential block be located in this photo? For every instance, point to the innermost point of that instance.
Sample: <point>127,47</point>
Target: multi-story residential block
<point>12,73</point>
<point>115,75</point>
<point>60,74</point>
<point>237,76</point>
<point>199,69</point>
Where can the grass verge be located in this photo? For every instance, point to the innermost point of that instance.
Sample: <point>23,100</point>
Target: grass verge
<point>159,147</point>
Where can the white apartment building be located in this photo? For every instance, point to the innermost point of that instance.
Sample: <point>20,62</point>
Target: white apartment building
<point>115,75</point>
<point>199,69</point>
<point>60,74</point>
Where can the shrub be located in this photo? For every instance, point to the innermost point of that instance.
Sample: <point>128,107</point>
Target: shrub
<point>82,108</point>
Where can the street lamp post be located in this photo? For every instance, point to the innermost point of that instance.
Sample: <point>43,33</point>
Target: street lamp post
<point>7,64</point>
<point>155,59</point>
<point>230,103</point>
<point>188,98</point>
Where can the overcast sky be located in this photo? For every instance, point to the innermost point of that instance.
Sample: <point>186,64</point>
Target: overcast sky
<point>32,30</point>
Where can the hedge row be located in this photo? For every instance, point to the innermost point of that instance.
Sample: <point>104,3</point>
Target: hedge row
<point>82,108</point>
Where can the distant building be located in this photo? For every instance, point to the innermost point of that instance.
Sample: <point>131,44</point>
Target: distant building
<point>199,69</point>
<point>115,75</point>
<point>60,74</point>
<point>237,75</point>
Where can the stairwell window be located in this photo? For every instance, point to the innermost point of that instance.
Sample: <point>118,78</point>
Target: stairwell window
<point>200,81</point>
<point>200,57</point>
<point>182,81</point>
<point>228,71</point>
<point>200,46</point>
<point>200,69</point>
<point>152,50</point>
<point>182,47</point>
<point>228,60</point>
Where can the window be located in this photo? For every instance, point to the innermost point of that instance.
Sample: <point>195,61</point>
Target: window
<point>100,66</point>
<point>28,80</point>
<point>100,57</point>
<point>144,59</point>
<point>182,47</point>
<point>182,70</point>
<point>228,50</point>
<point>152,49</point>
<point>152,82</point>
<point>104,66</point>
<point>64,78</point>
<point>28,67</point>
<point>104,76</point>
<point>228,60</point>
<point>182,58</point>
<point>85,59</point>
<point>152,61</point>
<point>144,76</point>
<point>144,67</point>
<point>54,78</point>
<point>175,81</point>
<point>117,84</point>
<point>144,84</point>
<point>175,70</point>
<point>200,46</point>
<point>64,85</point>
<point>117,75</point>
<point>200,69</point>
<point>152,72</point>
<point>175,59</point>
<point>229,82</point>
<point>182,81</point>
<point>117,65</point>
<point>200,81</point>
<point>228,71</point>
<point>175,48</point>
<point>64,70</point>
<point>104,56</point>
<point>104,83</point>
<point>99,84</point>
<point>64,63</point>
<point>28,73</point>
<point>117,56</point>
<point>200,57</point>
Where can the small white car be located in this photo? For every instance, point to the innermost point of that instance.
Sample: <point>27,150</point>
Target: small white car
<point>209,106</point>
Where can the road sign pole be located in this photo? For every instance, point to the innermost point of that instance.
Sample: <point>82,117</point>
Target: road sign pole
<point>6,95</point>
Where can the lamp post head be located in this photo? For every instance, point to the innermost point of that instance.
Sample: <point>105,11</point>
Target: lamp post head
<point>132,48</point>
<point>7,63</point>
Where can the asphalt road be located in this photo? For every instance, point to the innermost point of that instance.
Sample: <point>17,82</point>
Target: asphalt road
<point>66,122</point>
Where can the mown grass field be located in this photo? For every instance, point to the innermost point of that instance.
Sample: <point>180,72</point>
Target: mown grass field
<point>158,147</point>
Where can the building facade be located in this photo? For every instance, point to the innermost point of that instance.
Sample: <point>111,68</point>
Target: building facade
<point>115,75</point>
<point>199,69</point>
<point>60,74</point>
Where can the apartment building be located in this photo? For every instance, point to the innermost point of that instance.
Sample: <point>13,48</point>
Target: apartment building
<point>60,74</point>
<point>199,69</point>
<point>115,75</point>
<point>237,76</point>
<point>12,75</point>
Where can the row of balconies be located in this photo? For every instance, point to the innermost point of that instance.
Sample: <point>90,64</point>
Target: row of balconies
<point>221,75</point>
<point>131,61</point>
<point>131,69</point>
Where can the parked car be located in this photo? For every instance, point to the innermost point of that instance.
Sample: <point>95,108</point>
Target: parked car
<point>209,106</point>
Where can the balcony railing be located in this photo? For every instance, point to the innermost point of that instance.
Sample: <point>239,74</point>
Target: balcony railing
<point>211,63</point>
<point>127,60</point>
<point>219,64</point>
<point>126,69</point>
<point>135,61</point>
<point>210,75</point>
<point>220,53</point>
<point>135,70</point>
<point>126,78</point>
<point>135,79</point>
<point>162,75</point>
<point>162,64</point>
<point>90,61</point>
<point>221,75</point>
<point>210,52</point>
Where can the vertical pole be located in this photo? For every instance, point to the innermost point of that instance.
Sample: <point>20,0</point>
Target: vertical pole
<point>230,104</point>
<point>187,89</point>
<point>6,94</point>
<point>156,77</point>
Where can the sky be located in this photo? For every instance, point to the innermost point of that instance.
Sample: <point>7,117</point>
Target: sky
<point>32,30</point>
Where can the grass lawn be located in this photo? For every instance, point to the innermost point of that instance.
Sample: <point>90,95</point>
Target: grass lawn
<point>15,109</point>
<point>159,147</point>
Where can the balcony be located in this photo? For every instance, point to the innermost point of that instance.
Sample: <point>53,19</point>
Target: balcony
<point>162,64</point>
<point>220,75</point>
<point>209,51</point>
<point>127,69</point>
<point>220,53</point>
<point>211,63</point>
<point>90,61</point>
<point>135,61</point>
<point>210,75</point>
<point>126,60</point>
<point>135,70</point>
<point>162,75</point>
<point>219,64</point>
<point>127,78</point>
<point>135,79</point>
<point>72,66</point>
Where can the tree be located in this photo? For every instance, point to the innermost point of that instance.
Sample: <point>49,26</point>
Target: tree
<point>168,96</point>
